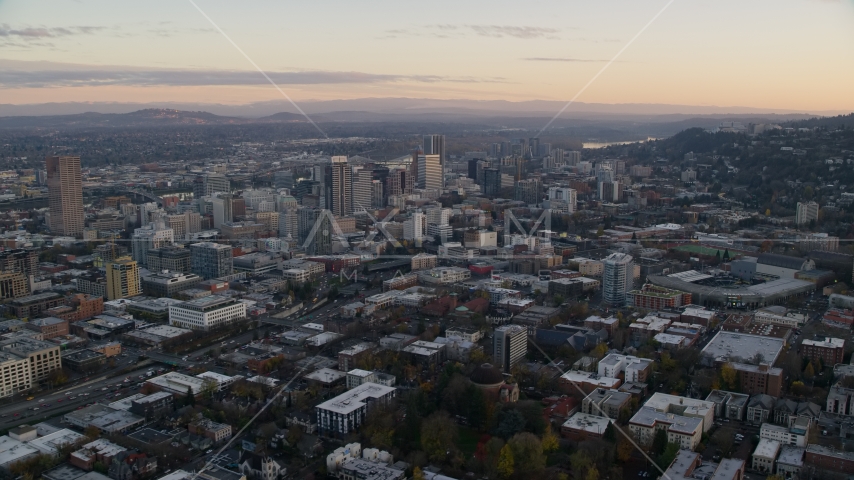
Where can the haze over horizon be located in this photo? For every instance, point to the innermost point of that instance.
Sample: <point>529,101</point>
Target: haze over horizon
<point>783,56</point>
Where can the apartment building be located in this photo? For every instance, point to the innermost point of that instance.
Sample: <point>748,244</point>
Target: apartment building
<point>829,350</point>
<point>685,431</point>
<point>218,432</point>
<point>627,367</point>
<point>345,413</point>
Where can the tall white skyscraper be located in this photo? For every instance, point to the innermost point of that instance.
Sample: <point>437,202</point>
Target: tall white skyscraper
<point>431,173</point>
<point>617,278</point>
<point>413,229</point>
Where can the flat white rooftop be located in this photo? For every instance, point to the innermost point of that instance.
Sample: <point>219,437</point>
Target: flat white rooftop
<point>355,398</point>
<point>587,423</point>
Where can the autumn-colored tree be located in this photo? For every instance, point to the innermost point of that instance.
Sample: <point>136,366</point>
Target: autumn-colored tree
<point>624,449</point>
<point>505,466</point>
<point>592,474</point>
<point>809,371</point>
<point>729,377</point>
<point>549,442</point>
<point>600,350</point>
<point>417,474</point>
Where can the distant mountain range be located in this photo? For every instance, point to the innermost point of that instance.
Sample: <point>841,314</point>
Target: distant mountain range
<point>594,122</point>
<point>383,109</point>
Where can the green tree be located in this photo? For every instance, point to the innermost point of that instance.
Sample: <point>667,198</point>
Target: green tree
<point>505,466</point>
<point>438,435</point>
<point>669,454</point>
<point>512,422</point>
<point>190,398</point>
<point>527,452</point>
<point>659,442</point>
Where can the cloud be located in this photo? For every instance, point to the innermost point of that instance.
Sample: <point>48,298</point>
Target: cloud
<point>501,31</point>
<point>37,33</point>
<point>492,31</point>
<point>22,74</point>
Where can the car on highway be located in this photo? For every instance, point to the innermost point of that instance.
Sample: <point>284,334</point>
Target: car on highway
<point>30,398</point>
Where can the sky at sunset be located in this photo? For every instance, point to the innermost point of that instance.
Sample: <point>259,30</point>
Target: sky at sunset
<point>784,54</point>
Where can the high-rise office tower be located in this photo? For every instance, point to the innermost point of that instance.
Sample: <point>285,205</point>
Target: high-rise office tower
<point>472,168</point>
<point>339,187</point>
<point>123,279</point>
<point>431,172</point>
<point>223,210</point>
<point>363,178</point>
<point>617,278</point>
<point>563,199</point>
<point>529,191</point>
<point>377,194</point>
<point>491,182</point>
<point>151,236</point>
<point>413,229</point>
<point>65,196</point>
<point>398,182</point>
<point>289,223</point>
<point>509,346</point>
<point>435,145</point>
<point>533,146</point>
<point>284,179</point>
<point>211,260</point>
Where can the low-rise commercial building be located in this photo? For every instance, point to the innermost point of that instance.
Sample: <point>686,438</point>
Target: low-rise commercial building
<point>167,284</point>
<point>206,313</point>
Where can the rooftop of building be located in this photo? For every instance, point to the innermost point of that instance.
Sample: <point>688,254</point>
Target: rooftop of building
<point>355,398</point>
<point>767,448</point>
<point>649,417</point>
<point>731,346</point>
<point>587,423</point>
<point>326,375</point>
<point>825,342</point>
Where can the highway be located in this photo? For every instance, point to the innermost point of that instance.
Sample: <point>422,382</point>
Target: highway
<point>70,397</point>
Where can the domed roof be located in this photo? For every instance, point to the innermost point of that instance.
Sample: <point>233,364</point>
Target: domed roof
<point>462,308</point>
<point>486,374</point>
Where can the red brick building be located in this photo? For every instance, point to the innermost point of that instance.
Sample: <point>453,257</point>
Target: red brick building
<point>49,327</point>
<point>829,350</point>
<point>830,459</point>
